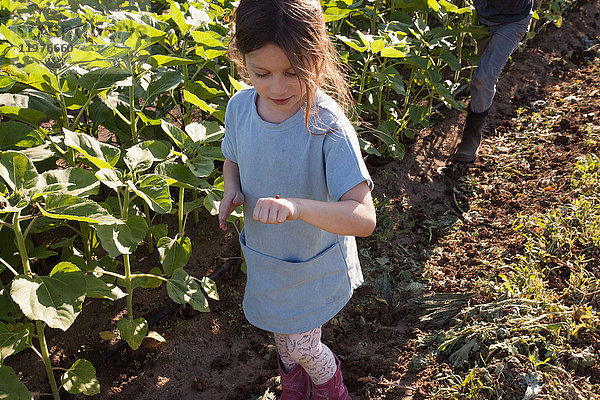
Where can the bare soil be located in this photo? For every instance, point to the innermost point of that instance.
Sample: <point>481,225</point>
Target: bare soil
<point>219,355</point>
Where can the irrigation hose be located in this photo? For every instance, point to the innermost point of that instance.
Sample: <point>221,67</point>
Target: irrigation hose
<point>151,321</point>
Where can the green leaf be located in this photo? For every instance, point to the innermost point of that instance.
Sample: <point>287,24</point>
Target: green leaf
<point>28,115</point>
<point>433,4</point>
<point>451,60</point>
<point>200,166</point>
<point>178,175</point>
<point>177,17</point>
<point>386,132</point>
<point>85,56</point>
<point>41,253</point>
<point>55,299</point>
<point>73,208</point>
<point>237,85</point>
<point>81,378</point>
<point>394,79</point>
<point>198,102</point>
<point>448,6</point>
<point>12,37</point>
<point>353,43</point>
<point>391,52</point>
<point>190,206</point>
<point>159,230</point>
<point>169,61</point>
<point>113,178</point>
<point>122,238</point>
<point>43,102</point>
<point>196,131</point>
<point>99,289</point>
<point>13,341</point>
<point>18,171</point>
<point>183,289</point>
<point>163,82</point>
<point>38,153</point>
<point>75,181</point>
<point>378,45</point>
<point>11,388</point>
<point>12,132</point>
<point>212,152</point>
<point>133,331</point>
<point>6,83</point>
<point>138,159</point>
<point>100,154</point>
<point>174,253</point>
<point>160,149</point>
<point>105,78</point>
<point>154,190</point>
<point>210,287</point>
<point>147,281</point>
<point>368,147</point>
<point>208,38</point>
<point>212,201</point>
<point>179,137</point>
<point>9,311</point>
<point>199,17</point>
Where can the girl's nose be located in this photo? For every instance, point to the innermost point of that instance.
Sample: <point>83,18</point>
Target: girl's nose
<point>279,85</point>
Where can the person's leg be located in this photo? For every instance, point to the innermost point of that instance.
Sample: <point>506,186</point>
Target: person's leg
<point>295,382</point>
<point>308,352</point>
<point>502,41</point>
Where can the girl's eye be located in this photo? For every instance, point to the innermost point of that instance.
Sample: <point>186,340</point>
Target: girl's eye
<point>260,75</point>
<point>293,74</point>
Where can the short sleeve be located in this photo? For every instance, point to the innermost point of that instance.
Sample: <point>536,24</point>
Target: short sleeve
<point>228,144</point>
<point>344,166</point>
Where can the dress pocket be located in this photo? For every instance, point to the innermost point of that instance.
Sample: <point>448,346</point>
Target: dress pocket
<point>294,293</point>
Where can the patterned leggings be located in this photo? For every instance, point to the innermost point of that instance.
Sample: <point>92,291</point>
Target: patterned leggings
<point>307,350</point>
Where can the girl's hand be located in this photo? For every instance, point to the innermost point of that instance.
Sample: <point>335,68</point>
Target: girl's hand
<point>229,203</point>
<point>275,210</point>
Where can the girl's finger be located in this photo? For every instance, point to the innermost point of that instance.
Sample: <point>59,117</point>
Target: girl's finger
<point>273,215</point>
<point>282,215</point>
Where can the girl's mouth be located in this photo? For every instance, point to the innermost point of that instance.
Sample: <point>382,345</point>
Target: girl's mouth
<point>281,102</point>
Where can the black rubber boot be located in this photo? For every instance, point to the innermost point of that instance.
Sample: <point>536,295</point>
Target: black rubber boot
<point>471,137</point>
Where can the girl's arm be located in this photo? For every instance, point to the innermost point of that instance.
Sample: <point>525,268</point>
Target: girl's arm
<point>352,215</point>
<point>233,196</point>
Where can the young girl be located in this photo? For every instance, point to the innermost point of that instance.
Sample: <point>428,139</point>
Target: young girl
<point>293,161</point>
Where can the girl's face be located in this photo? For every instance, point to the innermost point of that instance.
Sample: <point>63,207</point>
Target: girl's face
<point>280,92</point>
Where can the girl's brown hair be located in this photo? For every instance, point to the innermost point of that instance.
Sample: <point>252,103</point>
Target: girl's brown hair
<point>298,28</point>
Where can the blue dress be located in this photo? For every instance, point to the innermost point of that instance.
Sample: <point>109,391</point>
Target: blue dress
<point>299,276</point>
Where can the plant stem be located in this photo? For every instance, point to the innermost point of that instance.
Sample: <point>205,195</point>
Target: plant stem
<point>71,157</point>
<point>149,276</point>
<point>181,197</point>
<point>21,243</point>
<point>380,97</point>
<point>132,119</point>
<point>63,107</point>
<point>128,286</point>
<point>85,237</point>
<point>104,272</point>
<point>126,261</point>
<point>149,223</point>
<point>85,106</point>
<point>409,91</point>
<point>7,265</point>
<point>186,111</point>
<point>363,77</point>
<point>46,356</point>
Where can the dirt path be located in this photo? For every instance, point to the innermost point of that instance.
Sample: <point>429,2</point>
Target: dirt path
<point>415,251</point>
